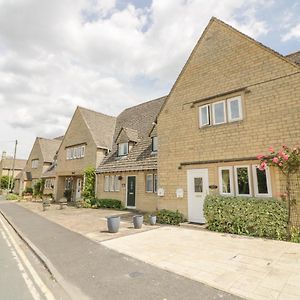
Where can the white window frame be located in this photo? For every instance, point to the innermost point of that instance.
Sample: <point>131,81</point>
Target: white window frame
<point>207,106</point>
<point>121,147</point>
<point>117,183</point>
<point>154,149</point>
<point>155,179</point>
<point>236,181</point>
<point>239,99</point>
<point>152,183</point>
<point>82,151</point>
<point>231,183</point>
<point>34,163</point>
<point>106,183</point>
<point>213,112</point>
<point>255,182</point>
<point>112,183</point>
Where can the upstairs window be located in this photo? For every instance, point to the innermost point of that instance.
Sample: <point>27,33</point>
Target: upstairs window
<point>234,107</point>
<point>219,113</point>
<point>204,115</point>
<point>75,152</point>
<point>34,163</point>
<point>154,144</point>
<point>122,149</point>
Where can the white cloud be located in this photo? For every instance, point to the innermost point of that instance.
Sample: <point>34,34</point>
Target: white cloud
<point>55,55</point>
<point>293,33</point>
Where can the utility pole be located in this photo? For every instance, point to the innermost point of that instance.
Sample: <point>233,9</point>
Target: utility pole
<point>14,164</point>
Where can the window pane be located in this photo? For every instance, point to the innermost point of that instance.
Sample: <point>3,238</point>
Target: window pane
<point>155,183</point>
<point>243,181</point>
<point>219,109</point>
<point>149,183</point>
<point>112,183</point>
<point>106,183</point>
<point>226,182</point>
<point>262,186</point>
<point>198,185</point>
<point>234,109</point>
<point>204,116</point>
<point>117,183</point>
<point>154,143</point>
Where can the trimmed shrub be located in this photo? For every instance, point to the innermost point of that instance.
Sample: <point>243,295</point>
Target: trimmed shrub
<point>261,217</point>
<point>12,197</point>
<point>28,191</point>
<point>295,234</point>
<point>106,203</point>
<point>165,216</point>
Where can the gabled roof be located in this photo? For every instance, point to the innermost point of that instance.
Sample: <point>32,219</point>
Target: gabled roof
<point>290,60</point>
<point>131,134</point>
<point>139,119</point>
<point>101,126</point>
<point>295,57</point>
<point>50,172</point>
<point>49,148</point>
<point>7,163</point>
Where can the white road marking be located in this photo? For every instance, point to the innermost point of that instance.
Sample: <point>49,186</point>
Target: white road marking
<point>22,260</point>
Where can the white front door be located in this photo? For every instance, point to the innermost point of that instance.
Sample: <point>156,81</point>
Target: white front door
<point>197,190</point>
<point>78,188</point>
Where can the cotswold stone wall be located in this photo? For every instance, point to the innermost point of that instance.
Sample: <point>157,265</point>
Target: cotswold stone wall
<point>225,61</point>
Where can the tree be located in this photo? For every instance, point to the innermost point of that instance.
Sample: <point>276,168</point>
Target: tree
<point>5,180</point>
<point>89,183</point>
<point>287,160</point>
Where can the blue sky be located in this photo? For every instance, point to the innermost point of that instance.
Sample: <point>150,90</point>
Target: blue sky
<point>110,54</point>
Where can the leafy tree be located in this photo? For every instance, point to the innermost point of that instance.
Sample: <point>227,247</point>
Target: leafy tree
<point>89,183</point>
<point>5,180</point>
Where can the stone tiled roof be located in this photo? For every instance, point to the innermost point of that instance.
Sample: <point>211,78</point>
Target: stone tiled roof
<point>50,172</point>
<point>49,148</point>
<point>102,127</point>
<point>295,57</point>
<point>131,134</point>
<point>7,163</point>
<point>139,119</point>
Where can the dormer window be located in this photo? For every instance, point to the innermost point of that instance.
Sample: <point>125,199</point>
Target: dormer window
<point>154,144</point>
<point>122,149</point>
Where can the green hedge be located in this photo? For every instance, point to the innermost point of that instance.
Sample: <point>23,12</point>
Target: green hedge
<point>106,203</point>
<point>12,197</point>
<point>165,216</point>
<point>262,217</point>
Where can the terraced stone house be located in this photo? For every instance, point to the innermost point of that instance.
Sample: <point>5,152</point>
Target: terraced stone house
<point>129,172</point>
<point>86,142</point>
<point>232,100</point>
<point>40,158</point>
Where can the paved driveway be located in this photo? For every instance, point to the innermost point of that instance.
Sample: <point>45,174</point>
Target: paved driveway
<point>248,267</point>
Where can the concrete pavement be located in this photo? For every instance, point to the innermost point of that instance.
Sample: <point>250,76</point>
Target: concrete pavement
<point>96,272</point>
<point>249,267</point>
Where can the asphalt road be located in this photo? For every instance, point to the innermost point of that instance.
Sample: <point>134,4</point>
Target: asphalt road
<point>93,271</point>
<point>10,274</point>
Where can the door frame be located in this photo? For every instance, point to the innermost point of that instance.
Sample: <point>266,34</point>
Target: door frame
<point>76,187</point>
<point>131,207</point>
<point>191,173</point>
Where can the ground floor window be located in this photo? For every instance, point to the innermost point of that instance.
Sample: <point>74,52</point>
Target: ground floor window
<point>151,183</point>
<point>242,178</point>
<point>49,183</point>
<point>226,181</point>
<point>112,183</point>
<point>244,181</point>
